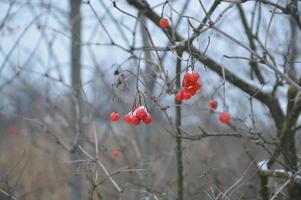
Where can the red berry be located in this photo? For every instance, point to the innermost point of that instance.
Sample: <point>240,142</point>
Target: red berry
<point>186,95</point>
<point>187,76</point>
<point>15,131</point>
<point>114,116</point>
<point>194,76</point>
<point>187,90</point>
<point>148,119</point>
<point>212,105</point>
<point>224,117</point>
<point>164,22</point>
<point>192,91</point>
<point>134,120</point>
<point>140,112</point>
<point>185,82</point>
<point>197,86</point>
<point>127,118</point>
<point>179,96</point>
<point>116,154</point>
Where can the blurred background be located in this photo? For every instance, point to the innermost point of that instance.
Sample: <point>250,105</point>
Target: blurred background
<point>65,66</point>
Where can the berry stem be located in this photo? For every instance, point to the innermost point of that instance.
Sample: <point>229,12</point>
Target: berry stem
<point>138,72</point>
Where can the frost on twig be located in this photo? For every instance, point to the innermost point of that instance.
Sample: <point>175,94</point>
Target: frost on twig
<point>278,173</point>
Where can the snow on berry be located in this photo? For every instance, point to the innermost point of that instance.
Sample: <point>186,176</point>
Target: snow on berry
<point>138,114</point>
<point>190,86</point>
<point>141,112</point>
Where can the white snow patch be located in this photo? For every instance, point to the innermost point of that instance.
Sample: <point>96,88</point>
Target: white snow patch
<point>263,165</point>
<point>280,170</point>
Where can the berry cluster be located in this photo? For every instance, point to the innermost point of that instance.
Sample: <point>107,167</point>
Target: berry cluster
<point>190,86</point>
<point>138,114</point>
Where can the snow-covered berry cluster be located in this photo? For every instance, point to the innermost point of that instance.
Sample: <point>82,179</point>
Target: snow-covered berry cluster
<point>190,86</point>
<point>138,114</point>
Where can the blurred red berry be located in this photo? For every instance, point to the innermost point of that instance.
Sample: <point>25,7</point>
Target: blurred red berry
<point>127,118</point>
<point>186,83</point>
<point>192,92</point>
<point>114,116</point>
<point>148,119</point>
<point>212,105</point>
<point>224,117</point>
<point>187,76</point>
<point>197,86</point>
<point>194,76</point>
<point>116,154</point>
<point>179,96</point>
<point>141,113</point>
<point>164,22</point>
<point>14,131</point>
<point>134,120</point>
<point>186,95</point>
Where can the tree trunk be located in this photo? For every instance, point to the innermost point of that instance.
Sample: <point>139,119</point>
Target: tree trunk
<point>76,104</point>
<point>290,159</point>
<point>180,178</point>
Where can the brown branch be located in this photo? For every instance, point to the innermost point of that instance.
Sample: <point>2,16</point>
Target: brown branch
<point>251,38</point>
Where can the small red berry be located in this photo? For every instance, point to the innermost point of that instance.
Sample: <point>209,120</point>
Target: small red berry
<point>179,96</point>
<point>187,76</point>
<point>140,112</point>
<point>148,119</point>
<point>186,95</point>
<point>197,86</point>
<point>212,105</point>
<point>15,131</point>
<point>127,118</point>
<point>135,120</point>
<point>192,91</point>
<point>188,90</point>
<point>116,154</point>
<point>164,22</point>
<point>185,82</point>
<point>224,117</point>
<point>114,116</point>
